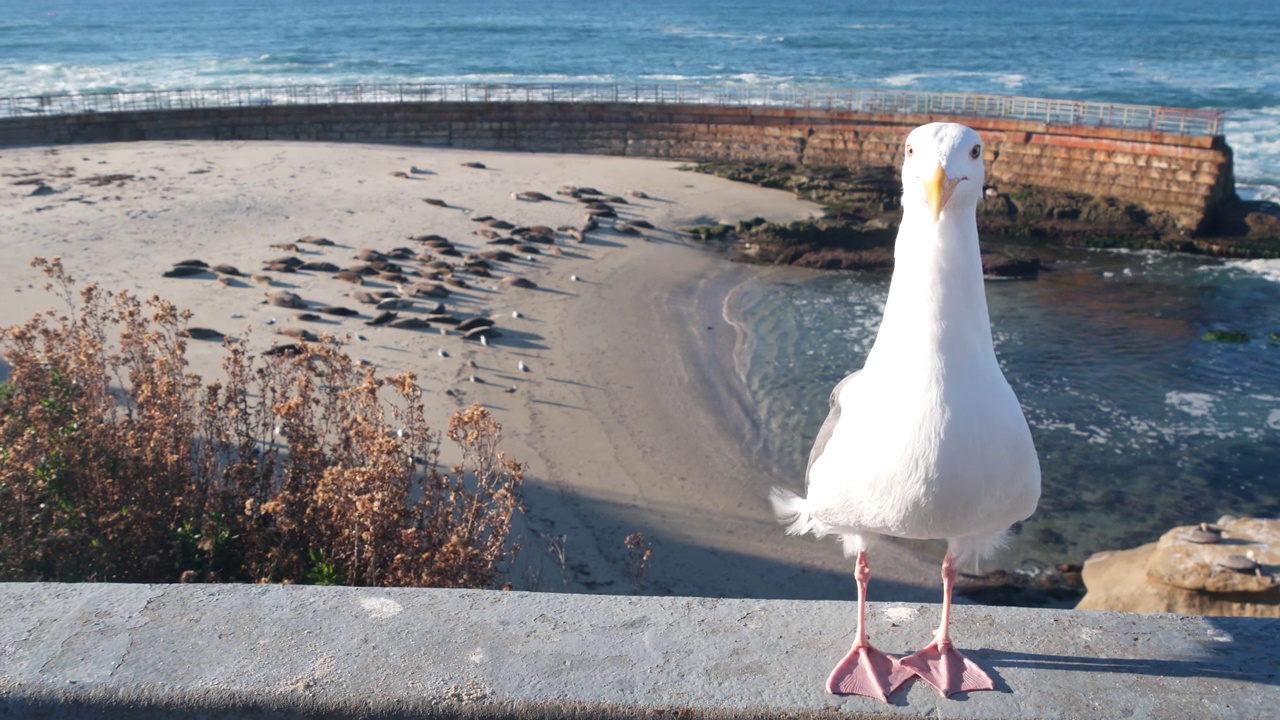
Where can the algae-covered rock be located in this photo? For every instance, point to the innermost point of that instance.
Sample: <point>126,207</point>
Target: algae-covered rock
<point>1225,336</point>
<point>707,232</point>
<point>870,189</point>
<point>1010,267</point>
<point>871,194</point>
<point>838,244</point>
<point>1263,223</point>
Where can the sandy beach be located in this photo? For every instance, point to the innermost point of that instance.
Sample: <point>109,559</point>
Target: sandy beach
<point>628,411</point>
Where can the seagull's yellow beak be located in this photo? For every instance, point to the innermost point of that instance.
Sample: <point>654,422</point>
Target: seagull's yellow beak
<point>937,189</point>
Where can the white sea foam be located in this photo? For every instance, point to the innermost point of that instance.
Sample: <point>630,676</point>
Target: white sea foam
<point>1011,81</point>
<point>1254,136</point>
<point>1260,191</point>
<point>257,71</point>
<point>1273,419</point>
<point>1007,81</point>
<point>1268,268</point>
<point>1192,403</point>
<point>1197,415</point>
<point>758,79</point>
<point>682,31</point>
<point>514,78</point>
<point>902,80</point>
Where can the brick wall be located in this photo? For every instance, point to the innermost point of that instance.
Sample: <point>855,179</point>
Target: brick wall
<point>1187,177</point>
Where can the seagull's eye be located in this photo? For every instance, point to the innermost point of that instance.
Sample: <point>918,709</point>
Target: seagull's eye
<point>910,151</point>
<point>976,152</point>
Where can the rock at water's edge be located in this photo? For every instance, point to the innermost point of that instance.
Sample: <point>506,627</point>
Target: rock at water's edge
<point>1177,575</point>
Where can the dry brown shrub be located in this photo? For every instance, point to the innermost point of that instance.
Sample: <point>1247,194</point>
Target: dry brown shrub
<point>639,552</point>
<point>117,464</point>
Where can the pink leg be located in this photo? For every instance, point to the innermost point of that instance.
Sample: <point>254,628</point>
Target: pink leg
<point>940,664</point>
<point>866,670</point>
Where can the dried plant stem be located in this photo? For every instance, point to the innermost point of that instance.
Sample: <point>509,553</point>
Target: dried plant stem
<point>117,464</point>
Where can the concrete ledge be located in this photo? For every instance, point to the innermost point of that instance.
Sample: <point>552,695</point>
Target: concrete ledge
<point>222,651</point>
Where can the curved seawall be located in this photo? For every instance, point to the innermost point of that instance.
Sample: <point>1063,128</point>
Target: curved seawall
<point>1186,177</point>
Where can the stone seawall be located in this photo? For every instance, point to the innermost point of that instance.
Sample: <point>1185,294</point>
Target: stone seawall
<point>1186,177</point>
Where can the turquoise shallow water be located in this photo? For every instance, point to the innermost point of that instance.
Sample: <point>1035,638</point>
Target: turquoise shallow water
<point>1139,423</point>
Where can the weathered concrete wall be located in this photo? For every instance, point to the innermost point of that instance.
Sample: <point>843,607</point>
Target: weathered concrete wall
<point>1187,177</point>
<point>236,651</point>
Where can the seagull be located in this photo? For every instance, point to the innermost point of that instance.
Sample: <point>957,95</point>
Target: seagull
<point>523,367</point>
<point>927,441</point>
<point>441,352</point>
<point>515,313</point>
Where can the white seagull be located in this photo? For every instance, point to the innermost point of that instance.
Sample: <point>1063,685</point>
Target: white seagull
<point>928,439</point>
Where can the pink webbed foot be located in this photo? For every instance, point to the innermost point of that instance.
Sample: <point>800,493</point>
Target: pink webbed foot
<point>947,670</point>
<point>869,672</point>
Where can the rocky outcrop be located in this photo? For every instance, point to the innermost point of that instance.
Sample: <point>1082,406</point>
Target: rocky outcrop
<point>867,198</point>
<point>857,232</point>
<point>1231,568</point>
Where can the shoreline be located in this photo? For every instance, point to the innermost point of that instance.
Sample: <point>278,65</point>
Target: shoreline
<point>861,216</point>
<point>724,540</point>
<point>630,417</point>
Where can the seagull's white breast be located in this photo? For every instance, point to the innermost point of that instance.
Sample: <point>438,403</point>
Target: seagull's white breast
<point>923,453</point>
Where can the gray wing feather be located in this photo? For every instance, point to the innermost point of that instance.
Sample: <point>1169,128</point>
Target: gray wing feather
<point>828,426</point>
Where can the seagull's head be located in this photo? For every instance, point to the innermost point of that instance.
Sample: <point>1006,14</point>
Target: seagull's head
<point>942,167</point>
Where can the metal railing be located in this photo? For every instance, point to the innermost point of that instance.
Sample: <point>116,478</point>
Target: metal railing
<point>1068,112</point>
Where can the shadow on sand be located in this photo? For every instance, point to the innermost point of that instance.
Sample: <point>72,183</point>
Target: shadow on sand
<point>679,567</point>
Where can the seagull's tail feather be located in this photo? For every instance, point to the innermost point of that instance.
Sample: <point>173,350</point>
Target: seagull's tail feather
<point>792,511</point>
<point>977,548</point>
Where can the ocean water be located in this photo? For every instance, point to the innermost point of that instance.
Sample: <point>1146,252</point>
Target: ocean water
<point>1186,53</point>
<point>1140,424</point>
